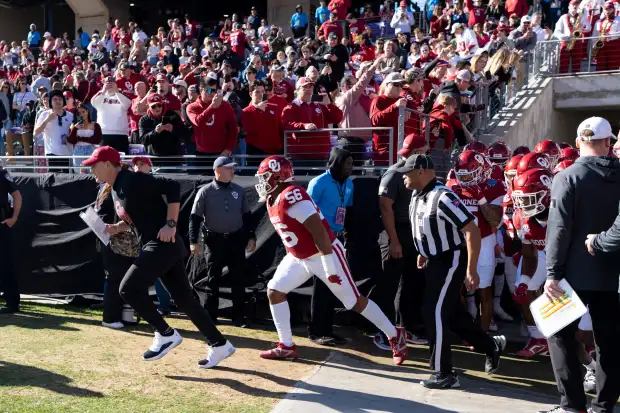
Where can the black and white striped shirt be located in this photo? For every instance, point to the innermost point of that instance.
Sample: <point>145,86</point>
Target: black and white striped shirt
<point>437,216</point>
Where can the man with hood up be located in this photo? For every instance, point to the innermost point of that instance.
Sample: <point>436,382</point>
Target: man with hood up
<point>332,192</point>
<point>584,200</point>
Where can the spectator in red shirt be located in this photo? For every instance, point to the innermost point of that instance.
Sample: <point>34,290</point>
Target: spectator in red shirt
<point>339,7</point>
<point>481,37</point>
<point>477,13</point>
<point>127,80</point>
<point>356,27</point>
<point>226,30</point>
<point>330,26</point>
<point>137,110</point>
<point>384,112</point>
<point>170,101</point>
<point>280,86</point>
<point>439,22</point>
<point>116,31</point>
<point>442,123</point>
<point>238,41</point>
<point>518,7</point>
<point>303,114</point>
<point>262,124</point>
<point>214,123</point>
<point>279,102</point>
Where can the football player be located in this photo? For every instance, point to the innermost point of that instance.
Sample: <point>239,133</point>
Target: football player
<point>312,250</point>
<point>549,148</point>
<point>483,197</point>
<point>531,197</point>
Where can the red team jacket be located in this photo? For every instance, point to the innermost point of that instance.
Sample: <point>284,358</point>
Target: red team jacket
<point>263,129</point>
<point>494,192</point>
<point>295,237</point>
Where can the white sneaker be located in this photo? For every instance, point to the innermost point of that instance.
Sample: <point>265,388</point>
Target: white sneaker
<point>501,314</point>
<point>493,327</point>
<point>162,345</point>
<point>216,354</point>
<point>117,325</point>
<point>589,382</point>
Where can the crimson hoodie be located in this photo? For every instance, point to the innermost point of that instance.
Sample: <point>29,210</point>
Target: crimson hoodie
<point>215,129</point>
<point>263,129</point>
<point>384,113</point>
<point>518,7</point>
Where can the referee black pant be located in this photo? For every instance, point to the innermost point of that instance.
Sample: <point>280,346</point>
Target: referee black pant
<point>604,309</point>
<point>400,291</point>
<point>8,281</point>
<point>443,310</point>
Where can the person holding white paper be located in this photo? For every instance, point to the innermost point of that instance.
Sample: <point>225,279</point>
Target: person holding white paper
<point>584,200</point>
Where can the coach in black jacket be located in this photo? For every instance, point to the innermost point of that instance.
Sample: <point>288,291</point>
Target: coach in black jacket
<point>584,200</point>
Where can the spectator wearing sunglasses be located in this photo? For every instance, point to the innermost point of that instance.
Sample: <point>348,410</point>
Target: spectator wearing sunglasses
<point>161,131</point>
<point>214,123</point>
<point>54,124</point>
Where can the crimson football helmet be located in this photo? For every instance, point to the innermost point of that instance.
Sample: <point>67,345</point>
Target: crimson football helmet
<point>562,165</point>
<point>521,150</point>
<point>569,153</point>
<point>533,160</point>
<point>273,171</point>
<point>470,168</point>
<point>510,171</point>
<point>549,148</point>
<point>532,191</point>
<point>476,146</point>
<point>499,153</point>
<point>564,145</point>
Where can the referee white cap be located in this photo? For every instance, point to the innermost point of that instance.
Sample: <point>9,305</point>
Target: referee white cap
<point>418,161</point>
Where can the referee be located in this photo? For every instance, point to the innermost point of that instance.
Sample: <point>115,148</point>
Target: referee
<point>221,209</point>
<point>442,228</point>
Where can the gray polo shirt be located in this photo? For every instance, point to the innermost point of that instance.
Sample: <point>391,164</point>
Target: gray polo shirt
<point>221,207</point>
<point>393,187</point>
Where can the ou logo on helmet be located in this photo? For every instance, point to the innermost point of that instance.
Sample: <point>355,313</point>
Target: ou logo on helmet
<point>479,158</point>
<point>544,162</point>
<point>274,165</point>
<point>545,180</point>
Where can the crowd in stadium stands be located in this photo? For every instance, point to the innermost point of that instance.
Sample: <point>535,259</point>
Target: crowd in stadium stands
<point>237,87</point>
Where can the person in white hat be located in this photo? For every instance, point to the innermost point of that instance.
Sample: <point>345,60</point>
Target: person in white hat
<point>179,89</point>
<point>466,42</point>
<point>524,37</point>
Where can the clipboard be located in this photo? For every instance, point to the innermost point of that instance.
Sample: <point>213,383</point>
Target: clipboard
<point>96,224</point>
<point>552,316</point>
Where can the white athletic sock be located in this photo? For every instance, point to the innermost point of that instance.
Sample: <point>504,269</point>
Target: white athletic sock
<point>281,314</point>
<point>471,304</point>
<point>534,332</point>
<point>498,289</point>
<point>374,314</point>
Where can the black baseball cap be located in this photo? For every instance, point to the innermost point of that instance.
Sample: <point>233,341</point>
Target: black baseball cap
<point>417,162</point>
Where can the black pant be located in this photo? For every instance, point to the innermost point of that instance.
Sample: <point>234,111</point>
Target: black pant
<point>356,146</point>
<point>224,250</point>
<point>400,291</point>
<point>164,260</point>
<point>563,348</point>
<point>8,282</point>
<point>118,142</point>
<point>445,275</point>
<point>299,32</point>
<point>59,166</point>
<point>115,267</point>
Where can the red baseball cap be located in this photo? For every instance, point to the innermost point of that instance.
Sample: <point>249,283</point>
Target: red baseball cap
<point>154,99</point>
<point>303,81</point>
<point>67,94</point>
<point>609,5</point>
<point>144,159</point>
<point>104,154</point>
<point>412,141</point>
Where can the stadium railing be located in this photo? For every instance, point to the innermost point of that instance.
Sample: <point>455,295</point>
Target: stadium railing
<point>548,57</point>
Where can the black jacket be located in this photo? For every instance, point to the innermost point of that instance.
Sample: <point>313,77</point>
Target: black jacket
<point>341,54</point>
<point>584,200</point>
<point>164,143</point>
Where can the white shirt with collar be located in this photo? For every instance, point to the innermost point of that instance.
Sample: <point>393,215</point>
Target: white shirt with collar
<point>55,134</point>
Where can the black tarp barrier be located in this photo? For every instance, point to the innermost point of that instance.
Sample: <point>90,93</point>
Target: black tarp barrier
<point>57,254</point>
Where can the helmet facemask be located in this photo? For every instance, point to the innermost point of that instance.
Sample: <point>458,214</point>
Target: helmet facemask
<point>530,204</point>
<point>469,178</point>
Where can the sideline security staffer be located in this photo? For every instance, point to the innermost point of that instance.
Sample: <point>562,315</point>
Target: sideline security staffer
<point>223,207</point>
<point>442,228</point>
<point>8,218</point>
<point>332,192</point>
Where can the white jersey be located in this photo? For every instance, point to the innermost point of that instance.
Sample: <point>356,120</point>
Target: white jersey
<point>607,27</point>
<point>592,9</point>
<point>466,43</point>
<point>567,24</point>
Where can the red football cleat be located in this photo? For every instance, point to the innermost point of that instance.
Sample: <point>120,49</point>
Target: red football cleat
<point>281,352</point>
<point>535,346</point>
<point>399,346</point>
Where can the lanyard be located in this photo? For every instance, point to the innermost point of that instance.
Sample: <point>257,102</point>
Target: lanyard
<point>341,191</point>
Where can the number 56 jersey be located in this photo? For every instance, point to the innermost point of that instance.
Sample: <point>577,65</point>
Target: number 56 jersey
<point>288,213</point>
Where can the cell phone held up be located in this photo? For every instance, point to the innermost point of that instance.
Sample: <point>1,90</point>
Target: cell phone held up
<point>317,98</point>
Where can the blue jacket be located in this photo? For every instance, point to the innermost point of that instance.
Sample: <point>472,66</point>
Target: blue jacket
<point>329,195</point>
<point>321,15</point>
<point>34,38</point>
<point>299,20</point>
